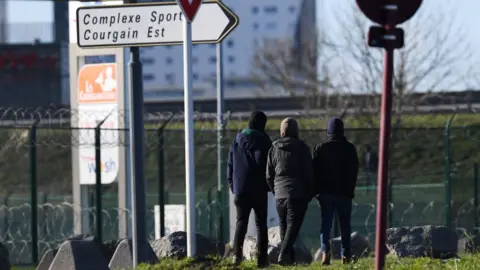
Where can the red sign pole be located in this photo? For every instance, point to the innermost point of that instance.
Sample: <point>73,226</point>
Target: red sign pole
<point>388,14</point>
<point>384,144</point>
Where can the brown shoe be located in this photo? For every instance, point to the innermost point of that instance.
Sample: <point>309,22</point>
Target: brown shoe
<point>345,260</point>
<point>325,259</point>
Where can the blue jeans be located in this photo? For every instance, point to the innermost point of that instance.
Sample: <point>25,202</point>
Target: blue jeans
<point>342,206</point>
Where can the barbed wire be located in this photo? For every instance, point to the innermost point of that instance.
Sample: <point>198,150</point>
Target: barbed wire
<point>55,117</point>
<point>56,222</point>
<point>417,154</point>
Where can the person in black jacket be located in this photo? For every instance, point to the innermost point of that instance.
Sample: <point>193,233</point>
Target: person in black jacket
<point>370,166</point>
<point>247,160</point>
<point>290,178</point>
<point>336,170</point>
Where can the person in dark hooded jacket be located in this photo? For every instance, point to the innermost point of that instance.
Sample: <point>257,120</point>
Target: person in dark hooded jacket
<point>336,170</point>
<point>290,177</point>
<point>247,160</point>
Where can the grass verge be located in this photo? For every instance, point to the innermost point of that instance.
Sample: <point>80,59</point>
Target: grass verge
<point>468,262</point>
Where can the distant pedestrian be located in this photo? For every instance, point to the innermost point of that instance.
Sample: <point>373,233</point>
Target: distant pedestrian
<point>290,177</point>
<point>335,172</point>
<point>247,160</point>
<point>370,166</point>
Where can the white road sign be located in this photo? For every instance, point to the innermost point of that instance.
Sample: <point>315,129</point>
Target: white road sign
<point>150,24</point>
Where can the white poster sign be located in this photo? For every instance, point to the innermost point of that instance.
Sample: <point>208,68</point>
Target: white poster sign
<point>97,100</point>
<point>174,219</point>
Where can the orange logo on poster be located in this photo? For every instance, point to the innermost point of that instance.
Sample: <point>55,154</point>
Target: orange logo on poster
<point>97,83</point>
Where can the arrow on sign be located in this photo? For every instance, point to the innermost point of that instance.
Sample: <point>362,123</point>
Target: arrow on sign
<point>152,24</point>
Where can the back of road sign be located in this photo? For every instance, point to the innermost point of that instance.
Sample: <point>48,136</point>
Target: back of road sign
<point>376,10</point>
<point>190,8</point>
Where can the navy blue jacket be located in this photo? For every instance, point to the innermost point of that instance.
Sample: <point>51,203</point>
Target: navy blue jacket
<point>247,161</point>
<point>335,167</point>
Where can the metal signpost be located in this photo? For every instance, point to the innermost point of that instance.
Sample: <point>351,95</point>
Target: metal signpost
<point>388,14</point>
<point>190,11</point>
<point>221,198</point>
<point>151,24</point>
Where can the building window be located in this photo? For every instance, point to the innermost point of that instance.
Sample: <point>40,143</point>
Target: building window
<point>170,78</point>
<point>213,45</point>
<point>255,26</point>
<point>195,60</point>
<point>271,26</point>
<point>148,77</point>
<point>291,9</point>
<point>231,59</point>
<point>212,59</point>
<point>230,43</point>
<point>255,10</point>
<point>169,60</point>
<point>195,76</point>
<point>147,61</point>
<point>168,47</point>
<point>270,9</point>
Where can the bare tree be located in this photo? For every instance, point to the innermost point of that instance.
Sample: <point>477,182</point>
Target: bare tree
<point>436,57</point>
<point>296,69</point>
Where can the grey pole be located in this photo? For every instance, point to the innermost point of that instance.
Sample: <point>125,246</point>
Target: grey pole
<point>137,153</point>
<point>220,132</point>
<point>136,148</point>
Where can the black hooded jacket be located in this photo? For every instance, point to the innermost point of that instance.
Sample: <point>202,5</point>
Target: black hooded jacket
<point>247,159</point>
<point>335,163</point>
<point>289,166</point>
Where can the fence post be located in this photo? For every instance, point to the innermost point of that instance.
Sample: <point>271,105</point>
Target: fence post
<point>447,180</point>
<point>161,173</point>
<point>221,194</point>
<point>210,213</point>
<point>44,213</point>
<point>33,191</point>
<point>6,221</point>
<point>161,179</point>
<point>98,178</point>
<point>475,194</point>
<point>98,183</point>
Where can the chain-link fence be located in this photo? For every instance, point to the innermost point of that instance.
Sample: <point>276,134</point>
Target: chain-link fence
<point>417,175</point>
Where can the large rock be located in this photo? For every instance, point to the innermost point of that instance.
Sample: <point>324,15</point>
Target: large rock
<point>250,248</point>
<point>174,246</point>
<point>79,255</point>
<point>469,244</point>
<point>4,258</point>
<point>425,241</point>
<point>122,258</point>
<point>360,247</point>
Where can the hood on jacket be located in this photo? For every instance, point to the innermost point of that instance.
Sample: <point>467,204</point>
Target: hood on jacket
<point>289,128</point>
<point>251,138</point>
<point>335,127</point>
<point>288,143</point>
<point>258,121</point>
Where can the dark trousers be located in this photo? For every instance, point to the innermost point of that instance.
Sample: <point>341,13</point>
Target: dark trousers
<point>291,213</point>
<point>244,205</point>
<point>342,206</point>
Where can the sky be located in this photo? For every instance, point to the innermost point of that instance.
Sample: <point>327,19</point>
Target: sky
<point>20,11</point>
<point>329,11</point>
